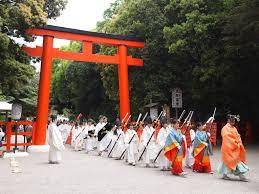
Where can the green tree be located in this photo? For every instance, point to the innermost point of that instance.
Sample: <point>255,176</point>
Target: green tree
<point>15,18</point>
<point>137,18</point>
<point>196,33</point>
<point>187,46</point>
<point>207,48</point>
<point>241,55</point>
<point>77,86</point>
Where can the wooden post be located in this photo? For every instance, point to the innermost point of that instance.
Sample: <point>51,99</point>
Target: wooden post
<point>44,91</point>
<point>123,81</point>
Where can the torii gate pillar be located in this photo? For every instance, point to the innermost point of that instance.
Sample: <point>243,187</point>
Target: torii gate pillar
<point>44,91</point>
<point>123,81</point>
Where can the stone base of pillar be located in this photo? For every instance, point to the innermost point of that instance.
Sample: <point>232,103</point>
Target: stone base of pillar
<point>15,154</point>
<point>38,148</point>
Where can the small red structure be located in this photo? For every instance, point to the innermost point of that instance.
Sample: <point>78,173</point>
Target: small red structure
<point>48,53</point>
<point>9,133</point>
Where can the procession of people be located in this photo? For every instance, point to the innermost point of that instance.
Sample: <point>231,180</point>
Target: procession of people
<point>160,144</point>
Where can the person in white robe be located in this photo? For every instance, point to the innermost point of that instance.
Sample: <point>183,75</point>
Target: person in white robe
<point>79,139</point>
<point>90,140</point>
<point>189,160</point>
<point>131,143</point>
<point>151,150</point>
<point>102,123</point>
<point>106,143</point>
<point>119,146</point>
<point>113,139</point>
<point>62,129</point>
<point>75,131</point>
<point>55,142</point>
<point>163,162</point>
<point>2,134</point>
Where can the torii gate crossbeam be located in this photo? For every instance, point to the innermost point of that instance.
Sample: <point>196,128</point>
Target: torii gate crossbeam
<point>48,53</point>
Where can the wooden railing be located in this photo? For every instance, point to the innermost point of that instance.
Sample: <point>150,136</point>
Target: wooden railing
<point>8,136</point>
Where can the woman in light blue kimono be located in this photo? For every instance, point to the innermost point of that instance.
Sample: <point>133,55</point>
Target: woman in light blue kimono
<point>175,149</point>
<point>201,151</point>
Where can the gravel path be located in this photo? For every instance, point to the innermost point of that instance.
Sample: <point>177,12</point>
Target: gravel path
<point>82,173</point>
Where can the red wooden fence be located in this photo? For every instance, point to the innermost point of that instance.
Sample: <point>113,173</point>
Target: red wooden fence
<point>9,133</point>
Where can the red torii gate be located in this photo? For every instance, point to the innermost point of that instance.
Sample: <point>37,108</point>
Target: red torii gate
<point>47,53</point>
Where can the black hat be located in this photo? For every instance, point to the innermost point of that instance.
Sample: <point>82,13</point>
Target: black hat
<point>163,121</point>
<point>53,118</point>
<point>149,120</point>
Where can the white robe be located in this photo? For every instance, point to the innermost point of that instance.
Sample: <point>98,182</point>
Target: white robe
<point>120,146</point>
<point>132,148</point>
<point>75,132</point>
<point>98,127</point>
<point>79,139</point>
<point>112,143</point>
<point>2,134</point>
<point>62,130</point>
<point>189,160</point>
<point>55,142</point>
<point>150,152</point>
<point>163,162</point>
<point>90,142</point>
<point>106,143</point>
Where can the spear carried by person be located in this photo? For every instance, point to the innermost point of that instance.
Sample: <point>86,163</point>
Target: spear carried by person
<point>69,138</point>
<point>114,145</point>
<point>123,121</point>
<point>139,125</point>
<point>125,124</point>
<point>211,119</point>
<point>186,119</point>
<point>123,153</point>
<point>146,146</point>
<point>187,122</point>
<point>139,117</point>
<point>181,116</point>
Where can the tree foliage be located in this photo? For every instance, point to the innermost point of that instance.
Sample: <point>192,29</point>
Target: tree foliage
<point>15,18</point>
<point>207,48</point>
<point>77,86</point>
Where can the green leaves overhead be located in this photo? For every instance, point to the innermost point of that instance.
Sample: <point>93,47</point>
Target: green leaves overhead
<point>77,86</point>
<point>16,72</point>
<point>193,44</point>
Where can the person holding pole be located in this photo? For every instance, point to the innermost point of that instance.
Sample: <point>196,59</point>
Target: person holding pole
<point>149,143</point>
<point>2,134</point>
<point>175,149</point>
<point>163,162</point>
<point>118,146</point>
<point>89,138</point>
<point>201,151</point>
<point>131,144</point>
